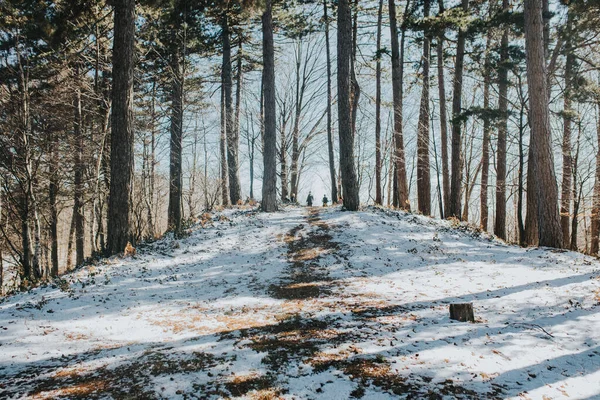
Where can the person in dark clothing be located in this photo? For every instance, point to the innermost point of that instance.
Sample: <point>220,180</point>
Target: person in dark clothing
<point>325,200</point>
<point>309,199</point>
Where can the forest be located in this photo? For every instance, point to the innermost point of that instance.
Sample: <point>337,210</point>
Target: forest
<point>123,120</point>
<point>162,233</point>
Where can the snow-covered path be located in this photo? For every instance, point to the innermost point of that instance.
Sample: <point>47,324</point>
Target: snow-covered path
<point>320,304</point>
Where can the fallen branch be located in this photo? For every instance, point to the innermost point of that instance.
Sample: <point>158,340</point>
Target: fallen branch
<point>531,326</point>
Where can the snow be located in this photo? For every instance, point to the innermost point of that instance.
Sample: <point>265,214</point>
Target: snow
<point>320,304</point>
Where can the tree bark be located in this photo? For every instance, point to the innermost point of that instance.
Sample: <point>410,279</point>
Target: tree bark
<point>296,128</point>
<point>354,86</point>
<point>225,200</point>
<point>378,194</point>
<point>485,160</point>
<point>269,189</point>
<point>283,157</point>
<point>52,198</point>
<point>232,136</point>
<point>122,137</point>
<point>500,224</point>
<point>330,144</point>
<point>520,223</point>
<point>79,169</point>
<point>577,193</point>
<point>176,128</point>
<point>595,223</point>
<point>545,188</point>
<point>423,167</point>
<point>456,181</point>
<point>397,92</point>
<point>443,117</point>
<point>565,201</point>
<point>344,51</point>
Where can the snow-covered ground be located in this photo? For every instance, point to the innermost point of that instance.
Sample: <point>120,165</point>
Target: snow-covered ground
<point>311,304</point>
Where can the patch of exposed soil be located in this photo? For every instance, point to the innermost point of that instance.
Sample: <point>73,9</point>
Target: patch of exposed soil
<point>65,379</point>
<point>306,277</point>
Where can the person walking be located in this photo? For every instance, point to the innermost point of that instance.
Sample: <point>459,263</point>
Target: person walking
<point>325,200</point>
<point>309,199</point>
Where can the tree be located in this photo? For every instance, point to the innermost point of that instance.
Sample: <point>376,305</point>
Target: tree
<point>500,225</point>
<point>378,194</point>
<point>567,175</point>
<point>485,152</point>
<point>232,134</point>
<point>443,115</point>
<point>423,171</point>
<point>177,71</point>
<point>545,188</point>
<point>269,189</point>
<point>397,91</point>
<point>344,52</point>
<point>330,152</point>
<point>121,153</point>
<point>456,181</point>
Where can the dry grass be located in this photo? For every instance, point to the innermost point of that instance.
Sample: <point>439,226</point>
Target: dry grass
<point>77,390</point>
<point>260,385</point>
<point>76,336</point>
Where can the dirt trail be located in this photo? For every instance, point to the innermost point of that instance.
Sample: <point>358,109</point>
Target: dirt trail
<point>323,343</point>
<point>306,245</point>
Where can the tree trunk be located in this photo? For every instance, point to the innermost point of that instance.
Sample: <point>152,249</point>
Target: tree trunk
<point>521,225</point>
<point>545,188</point>
<point>595,223</point>
<point>344,50</point>
<point>79,169</point>
<point>296,127</point>
<point>423,168</point>
<point>152,165</point>
<point>443,118</point>
<point>269,189</point>
<point>378,194</point>
<point>1,246</point>
<point>283,158</point>
<point>251,149</point>
<point>330,144</point>
<point>175,165</point>
<point>70,244</point>
<point>238,85</point>
<point>577,193</point>
<point>232,136</point>
<point>456,182</point>
<point>565,201</point>
<point>223,153</point>
<point>500,224</point>
<point>485,160</point>
<point>52,197</point>
<point>354,86</point>
<point>397,92</point>
<point>122,137</point>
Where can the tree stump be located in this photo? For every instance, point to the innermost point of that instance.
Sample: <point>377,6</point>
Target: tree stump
<point>462,312</point>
